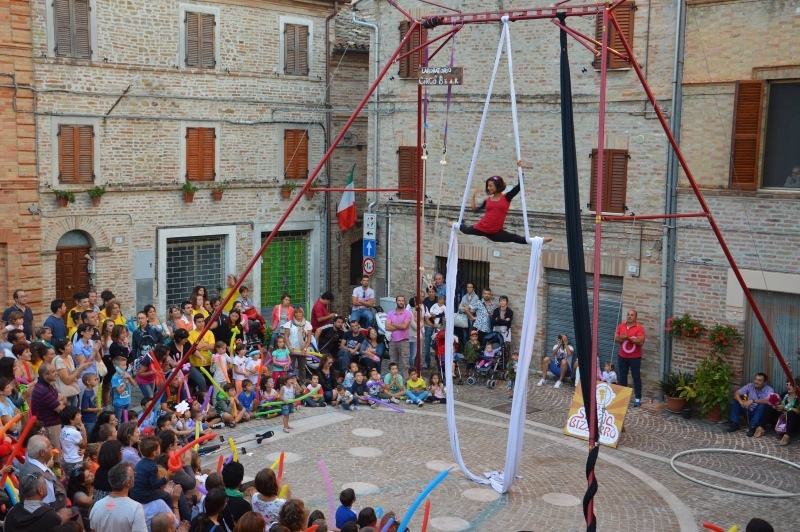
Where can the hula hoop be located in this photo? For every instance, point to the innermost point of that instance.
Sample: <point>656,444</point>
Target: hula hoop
<point>731,490</point>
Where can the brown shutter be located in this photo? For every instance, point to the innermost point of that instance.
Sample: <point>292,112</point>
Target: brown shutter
<point>404,71</point>
<point>206,51</point>
<point>625,17</point>
<point>192,39</point>
<point>208,153</point>
<point>82,43</point>
<point>302,51</point>
<point>615,181</point>
<point>192,154</point>
<point>290,48</point>
<point>746,134</point>
<point>302,155</point>
<point>66,154</point>
<point>407,171</point>
<point>295,154</point>
<point>63,22</point>
<point>410,65</point>
<point>85,154</point>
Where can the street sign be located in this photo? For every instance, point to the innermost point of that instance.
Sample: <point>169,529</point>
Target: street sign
<point>370,227</point>
<point>369,249</point>
<point>368,266</point>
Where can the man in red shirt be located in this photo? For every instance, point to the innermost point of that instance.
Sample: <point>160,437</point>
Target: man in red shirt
<point>630,337</point>
<point>320,312</point>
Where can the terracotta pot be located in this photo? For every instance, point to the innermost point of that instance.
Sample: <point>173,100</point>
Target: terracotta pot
<point>286,193</point>
<point>715,414</point>
<point>217,194</point>
<point>62,202</point>
<point>676,404</point>
<point>188,197</point>
<point>310,194</point>
<point>96,201</point>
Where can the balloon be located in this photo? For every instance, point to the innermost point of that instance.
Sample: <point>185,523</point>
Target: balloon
<point>233,448</point>
<point>197,434</point>
<point>18,446</point>
<point>10,424</point>
<point>421,497</point>
<point>388,405</point>
<point>124,415</point>
<point>21,380</point>
<point>219,463</point>
<point>312,528</point>
<point>175,463</point>
<point>280,465</point>
<point>13,494</point>
<point>326,477</point>
<point>284,491</point>
<point>388,524</point>
<point>379,512</point>
<point>275,464</point>
<point>267,412</point>
<point>202,489</point>
<point>205,402</point>
<point>215,383</point>
<point>426,515</point>
<point>715,528</point>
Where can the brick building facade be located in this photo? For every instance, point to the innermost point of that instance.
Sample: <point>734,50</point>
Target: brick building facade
<point>741,105</point>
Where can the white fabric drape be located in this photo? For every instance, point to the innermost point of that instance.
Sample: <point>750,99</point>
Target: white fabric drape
<point>500,481</point>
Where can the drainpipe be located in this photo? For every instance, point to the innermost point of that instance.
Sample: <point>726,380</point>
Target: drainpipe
<point>670,236</point>
<point>375,101</point>
<point>327,195</point>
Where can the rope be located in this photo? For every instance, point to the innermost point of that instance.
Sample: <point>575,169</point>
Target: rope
<point>443,161</point>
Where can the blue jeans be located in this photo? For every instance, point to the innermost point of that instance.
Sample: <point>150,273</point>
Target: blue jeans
<point>635,365</point>
<point>197,378</point>
<point>147,389</point>
<point>412,354</point>
<point>312,403</point>
<point>426,351</point>
<point>344,361</point>
<point>753,416</point>
<point>118,410</point>
<point>416,397</point>
<point>363,315</point>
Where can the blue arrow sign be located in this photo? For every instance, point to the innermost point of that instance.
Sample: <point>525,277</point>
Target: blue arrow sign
<point>369,248</point>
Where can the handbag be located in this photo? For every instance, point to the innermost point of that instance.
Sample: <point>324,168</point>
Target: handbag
<point>780,426</point>
<point>460,320</point>
<point>102,370</point>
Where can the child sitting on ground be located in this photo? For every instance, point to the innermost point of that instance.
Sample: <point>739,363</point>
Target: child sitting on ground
<point>374,384</point>
<point>393,385</point>
<point>344,398</point>
<point>181,424</point>
<point>196,418</point>
<point>350,376</point>
<point>437,391</point>
<point>360,392</point>
<point>416,391</point>
<point>225,406</point>
<point>247,398</point>
<point>270,394</point>
<point>609,375</point>
<point>344,513</point>
<point>315,389</point>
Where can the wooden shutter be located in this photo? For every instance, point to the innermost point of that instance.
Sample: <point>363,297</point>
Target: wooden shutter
<point>75,154</point>
<point>625,17</point>
<point>615,181</point>
<point>63,23</point>
<point>192,39</point>
<point>82,44</point>
<point>410,65</point>
<point>407,171</point>
<point>200,153</point>
<point>749,103</point>
<point>302,51</point>
<point>295,154</point>
<point>206,44</point>
<point>295,50</point>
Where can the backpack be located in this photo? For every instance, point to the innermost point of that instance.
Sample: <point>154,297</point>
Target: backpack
<point>133,369</point>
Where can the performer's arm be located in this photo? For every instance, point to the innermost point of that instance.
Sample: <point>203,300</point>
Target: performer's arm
<point>513,192</point>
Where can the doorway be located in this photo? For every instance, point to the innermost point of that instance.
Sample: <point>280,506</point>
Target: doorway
<point>72,266</point>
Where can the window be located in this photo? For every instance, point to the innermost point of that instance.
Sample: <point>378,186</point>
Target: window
<point>295,41</point>
<point>75,153</point>
<point>295,154</point>
<point>625,17</point>
<point>201,153</point>
<point>782,138</point>
<point>200,28</point>
<point>72,28</point>
<point>193,261</point>
<point>615,181</point>
<point>407,176</point>
<point>410,65</point>
<point>286,267</point>
<point>469,271</point>
<point>746,134</point>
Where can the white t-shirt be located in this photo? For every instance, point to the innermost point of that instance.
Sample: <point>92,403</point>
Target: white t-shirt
<point>239,364</point>
<point>295,341</point>
<point>71,439</point>
<point>118,513</point>
<point>563,352</point>
<point>436,313</point>
<point>221,367</point>
<point>364,294</point>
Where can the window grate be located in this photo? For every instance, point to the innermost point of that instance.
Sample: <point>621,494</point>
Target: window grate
<point>194,262</point>
<point>469,271</point>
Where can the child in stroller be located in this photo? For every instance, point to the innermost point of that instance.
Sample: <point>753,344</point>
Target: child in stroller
<point>491,359</point>
<point>255,321</point>
<point>439,343</point>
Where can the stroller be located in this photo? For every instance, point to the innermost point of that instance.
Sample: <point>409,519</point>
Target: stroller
<point>439,344</point>
<point>491,362</point>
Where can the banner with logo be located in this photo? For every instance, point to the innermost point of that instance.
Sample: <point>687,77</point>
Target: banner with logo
<point>612,405</point>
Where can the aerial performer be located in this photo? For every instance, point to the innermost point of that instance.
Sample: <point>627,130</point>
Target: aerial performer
<point>496,205</point>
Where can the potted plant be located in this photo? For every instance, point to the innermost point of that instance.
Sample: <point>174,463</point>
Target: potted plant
<point>96,193</point>
<point>712,385</point>
<point>188,192</point>
<point>685,326</point>
<point>310,193</point>
<point>723,338</point>
<point>218,190</point>
<point>286,189</point>
<point>63,197</point>
<point>674,386</point>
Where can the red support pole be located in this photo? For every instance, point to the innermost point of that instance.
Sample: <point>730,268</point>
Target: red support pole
<point>580,37</point>
<point>714,227</point>
<point>655,217</point>
<point>420,194</point>
<point>426,43</point>
<point>283,218</point>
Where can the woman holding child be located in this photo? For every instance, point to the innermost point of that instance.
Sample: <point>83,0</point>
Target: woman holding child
<point>327,378</point>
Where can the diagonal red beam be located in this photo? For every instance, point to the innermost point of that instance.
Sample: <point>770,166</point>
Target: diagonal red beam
<point>401,10</point>
<point>699,195</point>
<point>285,216</point>
<point>426,43</point>
<point>449,37</point>
<point>655,216</point>
<point>578,36</point>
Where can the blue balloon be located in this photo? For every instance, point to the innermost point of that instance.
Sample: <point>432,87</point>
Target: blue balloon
<point>421,497</point>
<point>379,512</point>
<point>387,525</point>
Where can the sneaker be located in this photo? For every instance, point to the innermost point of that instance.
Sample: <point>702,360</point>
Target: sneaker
<point>732,428</point>
<point>750,432</point>
<point>425,367</point>
<point>218,425</point>
<point>784,440</point>
<point>394,400</point>
<point>540,383</point>
<point>759,432</point>
<point>232,424</point>
<point>409,402</point>
<point>356,408</point>
<point>558,384</point>
<point>373,405</point>
<point>420,404</point>
<point>637,403</point>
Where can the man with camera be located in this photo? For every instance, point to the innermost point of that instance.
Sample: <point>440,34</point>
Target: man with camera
<point>559,364</point>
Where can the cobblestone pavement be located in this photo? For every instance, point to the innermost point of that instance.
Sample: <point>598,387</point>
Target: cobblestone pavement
<point>388,458</point>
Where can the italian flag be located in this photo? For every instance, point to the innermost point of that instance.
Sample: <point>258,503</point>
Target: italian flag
<point>347,207</point>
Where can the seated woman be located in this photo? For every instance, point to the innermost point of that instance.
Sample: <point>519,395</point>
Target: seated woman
<point>785,416</point>
<point>496,206</point>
